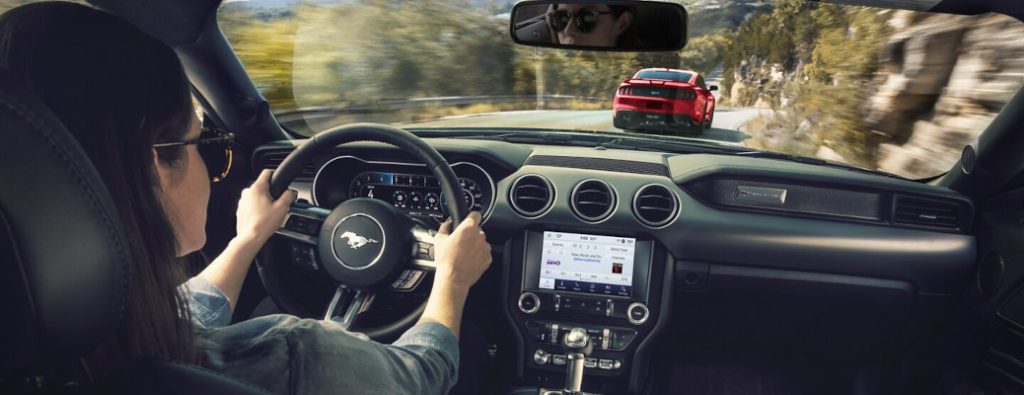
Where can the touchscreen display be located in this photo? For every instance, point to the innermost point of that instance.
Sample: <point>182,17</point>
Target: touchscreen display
<point>587,263</point>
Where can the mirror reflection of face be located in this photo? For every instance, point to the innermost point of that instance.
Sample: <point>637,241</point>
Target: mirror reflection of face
<point>603,25</point>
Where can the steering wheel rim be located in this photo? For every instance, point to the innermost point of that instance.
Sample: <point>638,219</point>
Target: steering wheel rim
<point>324,143</point>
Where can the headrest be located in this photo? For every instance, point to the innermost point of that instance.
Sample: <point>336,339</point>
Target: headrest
<point>64,259</point>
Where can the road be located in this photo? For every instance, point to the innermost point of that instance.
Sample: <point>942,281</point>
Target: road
<point>727,126</point>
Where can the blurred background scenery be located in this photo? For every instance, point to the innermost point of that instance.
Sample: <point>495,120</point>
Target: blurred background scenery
<point>897,91</point>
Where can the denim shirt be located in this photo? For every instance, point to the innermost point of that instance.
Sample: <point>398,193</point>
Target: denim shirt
<point>289,355</point>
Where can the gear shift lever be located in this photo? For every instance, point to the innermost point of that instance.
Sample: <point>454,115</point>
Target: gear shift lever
<point>578,347</point>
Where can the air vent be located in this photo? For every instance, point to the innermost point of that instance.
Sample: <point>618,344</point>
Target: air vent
<point>655,205</point>
<point>531,195</point>
<point>926,212</point>
<point>273,159</point>
<point>592,200</point>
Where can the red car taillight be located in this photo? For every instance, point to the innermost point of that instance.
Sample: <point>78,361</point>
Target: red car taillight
<point>686,94</point>
<point>626,91</point>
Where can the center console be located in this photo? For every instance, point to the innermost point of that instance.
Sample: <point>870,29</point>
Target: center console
<point>612,287</point>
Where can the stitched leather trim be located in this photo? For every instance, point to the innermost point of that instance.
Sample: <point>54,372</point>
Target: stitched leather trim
<point>117,306</point>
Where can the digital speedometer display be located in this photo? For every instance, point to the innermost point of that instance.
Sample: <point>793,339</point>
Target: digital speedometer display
<point>410,187</point>
<point>416,194</point>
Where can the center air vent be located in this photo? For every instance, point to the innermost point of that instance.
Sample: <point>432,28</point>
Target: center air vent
<point>655,205</point>
<point>926,212</point>
<point>592,200</point>
<point>531,195</point>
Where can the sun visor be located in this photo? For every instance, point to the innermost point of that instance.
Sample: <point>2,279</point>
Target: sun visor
<point>176,23</point>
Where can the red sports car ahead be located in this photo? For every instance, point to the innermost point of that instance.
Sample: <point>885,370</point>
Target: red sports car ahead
<point>664,100</point>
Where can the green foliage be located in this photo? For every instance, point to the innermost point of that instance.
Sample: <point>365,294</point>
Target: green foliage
<point>829,55</point>
<point>784,36</point>
<point>708,21</point>
<point>703,53</point>
<point>361,52</point>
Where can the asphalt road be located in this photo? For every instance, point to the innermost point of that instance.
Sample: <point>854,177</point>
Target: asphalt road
<point>727,126</point>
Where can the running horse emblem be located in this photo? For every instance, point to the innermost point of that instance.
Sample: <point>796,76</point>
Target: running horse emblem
<point>355,241</point>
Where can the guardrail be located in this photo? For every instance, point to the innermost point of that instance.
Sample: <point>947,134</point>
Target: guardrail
<point>396,105</point>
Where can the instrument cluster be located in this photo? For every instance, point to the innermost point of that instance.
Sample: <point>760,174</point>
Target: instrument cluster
<point>407,186</point>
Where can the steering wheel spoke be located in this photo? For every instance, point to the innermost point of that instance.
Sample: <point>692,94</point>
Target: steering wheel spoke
<point>360,303</point>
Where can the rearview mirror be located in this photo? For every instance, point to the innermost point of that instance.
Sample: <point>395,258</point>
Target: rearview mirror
<point>612,25</point>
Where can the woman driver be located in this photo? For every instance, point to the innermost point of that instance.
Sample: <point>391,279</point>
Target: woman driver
<point>591,25</point>
<point>125,98</point>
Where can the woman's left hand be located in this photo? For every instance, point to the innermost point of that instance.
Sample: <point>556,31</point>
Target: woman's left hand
<point>258,216</point>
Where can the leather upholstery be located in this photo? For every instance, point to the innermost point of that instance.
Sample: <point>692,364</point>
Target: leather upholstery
<point>64,269</point>
<point>64,259</point>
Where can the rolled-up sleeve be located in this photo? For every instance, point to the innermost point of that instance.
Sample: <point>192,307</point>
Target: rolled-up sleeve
<point>207,305</point>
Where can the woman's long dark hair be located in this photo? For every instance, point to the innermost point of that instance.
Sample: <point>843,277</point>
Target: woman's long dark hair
<point>118,91</point>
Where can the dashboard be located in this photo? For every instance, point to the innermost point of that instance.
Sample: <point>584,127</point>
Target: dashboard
<point>705,254</point>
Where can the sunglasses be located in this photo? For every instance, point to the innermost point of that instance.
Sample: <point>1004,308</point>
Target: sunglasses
<point>586,19</point>
<point>214,146</point>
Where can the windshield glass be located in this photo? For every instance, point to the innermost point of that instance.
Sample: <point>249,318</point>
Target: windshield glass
<point>896,91</point>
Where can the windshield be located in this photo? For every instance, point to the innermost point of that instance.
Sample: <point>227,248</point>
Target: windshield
<point>896,91</point>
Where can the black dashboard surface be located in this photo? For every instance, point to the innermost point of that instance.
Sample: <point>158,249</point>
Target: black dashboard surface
<point>761,259</point>
<point>932,259</point>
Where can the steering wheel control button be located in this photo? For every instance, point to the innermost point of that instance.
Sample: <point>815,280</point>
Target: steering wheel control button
<point>542,357</point>
<point>424,251</point>
<point>304,256</point>
<point>558,359</point>
<point>637,313</point>
<point>301,224</point>
<point>408,280</point>
<point>529,303</point>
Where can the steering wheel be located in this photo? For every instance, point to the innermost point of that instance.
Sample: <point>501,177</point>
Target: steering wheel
<point>365,245</point>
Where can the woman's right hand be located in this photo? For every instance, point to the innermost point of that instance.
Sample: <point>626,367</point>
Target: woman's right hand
<point>259,215</point>
<point>461,256</point>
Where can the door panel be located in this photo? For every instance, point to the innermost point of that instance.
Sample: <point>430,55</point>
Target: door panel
<point>986,345</point>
